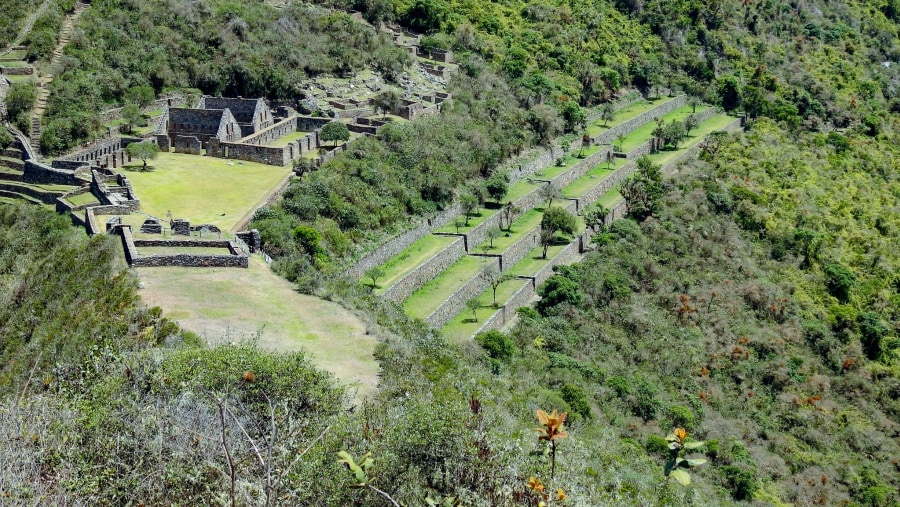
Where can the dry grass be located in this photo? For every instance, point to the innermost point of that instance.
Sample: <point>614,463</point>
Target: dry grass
<point>228,304</point>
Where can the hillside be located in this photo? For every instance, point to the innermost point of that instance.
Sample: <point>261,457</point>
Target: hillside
<point>736,292</point>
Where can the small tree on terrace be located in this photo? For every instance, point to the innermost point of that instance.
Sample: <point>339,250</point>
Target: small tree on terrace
<point>555,220</point>
<point>607,113</point>
<point>492,234</point>
<point>387,102</point>
<point>550,192</point>
<point>495,278</point>
<point>690,123</point>
<point>144,151</point>
<point>335,131</point>
<point>497,185</point>
<point>509,209</point>
<point>132,117</point>
<point>643,189</point>
<point>374,274</point>
<point>469,205</point>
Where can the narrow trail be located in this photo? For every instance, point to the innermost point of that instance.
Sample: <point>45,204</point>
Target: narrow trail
<point>26,27</point>
<point>40,107</point>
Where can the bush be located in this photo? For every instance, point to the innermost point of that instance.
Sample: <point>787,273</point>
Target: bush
<point>682,417</point>
<point>574,395</point>
<point>656,444</point>
<point>840,281</point>
<point>497,344</point>
<point>740,482</point>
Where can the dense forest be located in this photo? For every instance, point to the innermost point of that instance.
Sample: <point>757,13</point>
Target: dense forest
<point>753,302</point>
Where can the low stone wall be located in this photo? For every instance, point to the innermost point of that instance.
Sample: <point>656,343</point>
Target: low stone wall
<point>45,196</point>
<point>17,71</point>
<point>518,250</point>
<point>181,243</point>
<point>92,228</point>
<point>451,306</point>
<point>606,184</point>
<point>609,136</point>
<point>36,172</point>
<point>277,131</point>
<point>192,261</point>
<point>428,270</point>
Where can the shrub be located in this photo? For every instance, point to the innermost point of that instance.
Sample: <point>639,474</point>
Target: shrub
<point>577,400</point>
<point>497,344</point>
<point>682,417</point>
<point>656,444</point>
<point>840,281</point>
<point>740,482</point>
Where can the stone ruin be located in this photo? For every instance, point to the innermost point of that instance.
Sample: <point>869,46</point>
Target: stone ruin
<point>151,226</point>
<point>180,227</point>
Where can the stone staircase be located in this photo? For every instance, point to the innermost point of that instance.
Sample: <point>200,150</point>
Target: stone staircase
<point>65,35</point>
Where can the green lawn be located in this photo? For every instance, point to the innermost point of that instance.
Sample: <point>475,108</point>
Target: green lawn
<point>231,304</point>
<point>411,258</point>
<point>18,54</point>
<point>519,190</point>
<point>520,227</point>
<point>464,325</point>
<point>14,79</point>
<point>591,178</point>
<point>609,199</point>
<point>426,300</point>
<point>643,133</point>
<point>204,190</point>
<point>86,198</point>
<point>14,64</point>
<point>474,221</point>
<point>283,141</point>
<point>623,115</point>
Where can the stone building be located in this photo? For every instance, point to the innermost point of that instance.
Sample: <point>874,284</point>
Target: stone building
<point>189,130</point>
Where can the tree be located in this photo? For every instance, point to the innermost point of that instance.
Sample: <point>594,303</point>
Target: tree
<point>142,95</point>
<point>674,133</point>
<point>335,131</point>
<point>509,209</point>
<point>132,117</point>
<point>387,102</point>
<point>492,234</point>
<point>473,305</point>
<point>607,113</point>
<point>620,140</point>
<point>550,192</point>
<point>144,151</point>
<point>374,274</point>
<point>495,278</point>
<point>730,92</point>
<point>545,122</point>
<point>572,115</point>
<point>469,204</point>
<point>693,102</point>
<point>555,220</point>
<point>426,16</point>
<point>497,185</point>
<point>643,189</point>
<point>19,100</point>
<point>595,216</point>
<point>690,123</point>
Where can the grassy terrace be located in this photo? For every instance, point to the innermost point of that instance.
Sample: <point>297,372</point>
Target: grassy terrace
<point>426,300</point>
<point>520,227</point>
<point>591,178</point>
<point>643,133</point>
<point>624,115</point>
<point>283,141</point>
<point>18,54</point>
<point>40,186</point>
<point>414,255</point>
<point>14,64</point>
<point>462,326</point>
<point>86,198</point>
<point>205,190</point>
<point>20,79</point>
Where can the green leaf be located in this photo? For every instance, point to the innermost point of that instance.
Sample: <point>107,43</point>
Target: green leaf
<point>693,445</point>
<point>693,462</point>
<point>674,445</point>
<point>681,476</point>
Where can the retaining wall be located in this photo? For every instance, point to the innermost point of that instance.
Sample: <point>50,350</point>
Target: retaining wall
<point>36,172</point>
<point>518,250</point>
<point>451,306</point>
<point>17,71</point>
<point>609,136</point>
<point>428,270</point>
<point>45,196</point>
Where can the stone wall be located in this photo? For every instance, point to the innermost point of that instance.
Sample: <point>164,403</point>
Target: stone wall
<point>518,250</point>
<point>276,131</point>
<point>630,98</point>
<point>190,145</point>
<point>45,196</point>
<point>91,225</point>
<point>17,71</point>
<point>609,136</point>
<point>36,172</point>
<point>182,243</point>
<point>428,270</point>
<point>235,259</point>
<point>451,306</point>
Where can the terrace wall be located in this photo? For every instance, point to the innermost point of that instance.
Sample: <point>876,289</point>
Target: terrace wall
<point>610,135</point>
<point>451,306</point>
<point>428,270</point>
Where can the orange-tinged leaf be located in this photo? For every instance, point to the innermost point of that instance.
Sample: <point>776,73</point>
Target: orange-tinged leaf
<point>542,417</point>
<point>561,495</point>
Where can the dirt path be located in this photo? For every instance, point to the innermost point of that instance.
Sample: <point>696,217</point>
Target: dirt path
<point>26,27</point>
<point>40,106</point>
<point>228,304</point>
